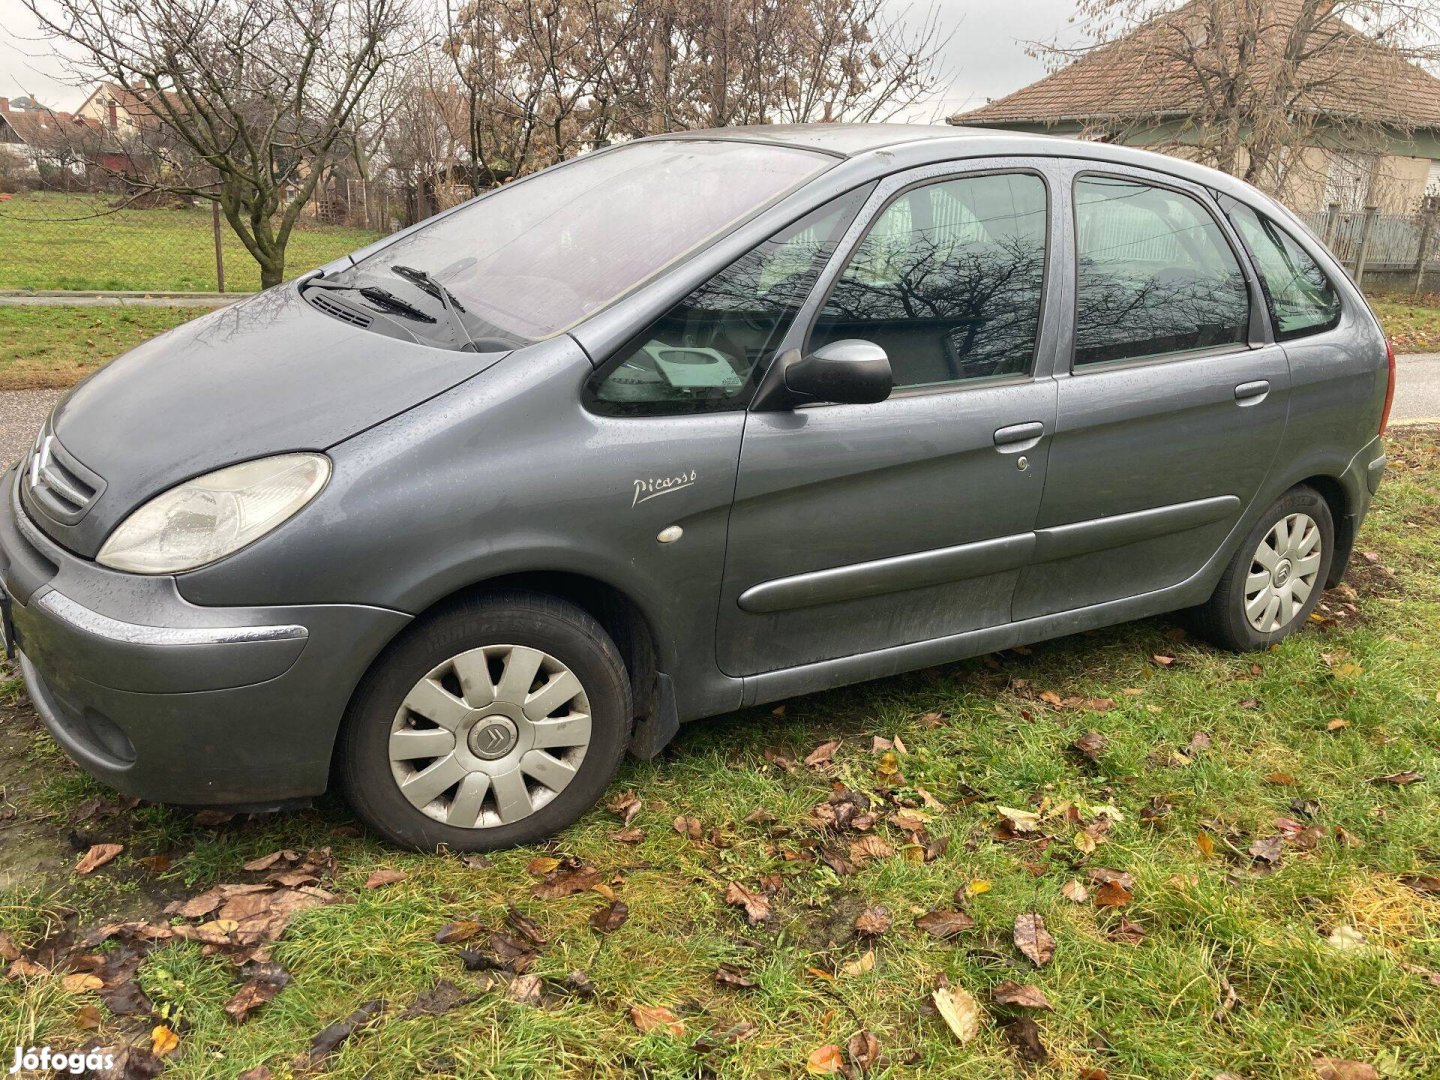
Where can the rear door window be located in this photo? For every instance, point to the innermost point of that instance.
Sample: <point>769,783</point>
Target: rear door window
<point>1155,275</point>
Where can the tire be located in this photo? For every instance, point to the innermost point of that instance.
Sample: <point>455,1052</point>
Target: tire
<point>505,757</point>
<point>1247,613</point>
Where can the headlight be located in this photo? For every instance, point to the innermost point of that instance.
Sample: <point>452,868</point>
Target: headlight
<point>213,515</point>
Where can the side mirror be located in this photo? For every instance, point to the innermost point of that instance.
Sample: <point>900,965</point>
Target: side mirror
<point>848,372</point>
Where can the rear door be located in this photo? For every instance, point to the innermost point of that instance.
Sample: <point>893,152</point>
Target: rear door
<point>1173,401</point>
<point>860,527</point>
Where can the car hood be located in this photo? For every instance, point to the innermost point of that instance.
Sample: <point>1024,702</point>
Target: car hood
<point>267,375</point>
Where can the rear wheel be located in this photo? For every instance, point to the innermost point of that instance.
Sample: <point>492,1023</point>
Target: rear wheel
<point>1276,577</point>
<point>496,723</point>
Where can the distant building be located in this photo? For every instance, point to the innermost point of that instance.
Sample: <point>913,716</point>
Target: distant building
<point>1117,88</point>
<point>37,139</point>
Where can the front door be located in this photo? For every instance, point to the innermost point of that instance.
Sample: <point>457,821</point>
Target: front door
<point>1174,406</point>
<point>860,527</point>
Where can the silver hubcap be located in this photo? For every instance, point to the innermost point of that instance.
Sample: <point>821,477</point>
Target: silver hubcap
<point>490,736</point>
<point>1282,573</point>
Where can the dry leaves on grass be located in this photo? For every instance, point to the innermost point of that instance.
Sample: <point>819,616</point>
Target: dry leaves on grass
<point>734,977</point>
<point>1032,939</point>
<point>960,1011</point>
<point>757,907</point>
<point>97,856</point>
<point>1024,1035</point>
<point>264,983</point>
<point>944,924</point>
<point>822,755</point>
<point>1009,992</point>
<point>872,922</point>
<point>563,878</point>
<point>1328,1068</point>
<point>244,915</point>
<point>611,917</point>
<point>1090,746</point>
<point>385,877</point>
<point>648,1018</point>
<point>825,1060</point>
<point>330,1038</point>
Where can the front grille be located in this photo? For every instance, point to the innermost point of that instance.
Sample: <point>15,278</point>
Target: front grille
<point>58,485</point>
<point>338,311</point>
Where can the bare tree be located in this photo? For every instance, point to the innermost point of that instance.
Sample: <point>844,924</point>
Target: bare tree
<point>1247,85</point>
<point>547,78</point>
<point>261,95</point>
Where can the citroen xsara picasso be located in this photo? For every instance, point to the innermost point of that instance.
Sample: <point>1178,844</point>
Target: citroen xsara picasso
<point>682,426</point>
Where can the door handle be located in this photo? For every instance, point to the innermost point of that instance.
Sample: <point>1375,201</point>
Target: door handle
<point>1252,393</point>
<point>1017,437</point>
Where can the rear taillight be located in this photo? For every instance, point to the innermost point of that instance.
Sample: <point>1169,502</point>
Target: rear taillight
<point>1390,386</point>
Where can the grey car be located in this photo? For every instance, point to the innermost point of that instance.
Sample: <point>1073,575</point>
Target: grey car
<point>679,427</point>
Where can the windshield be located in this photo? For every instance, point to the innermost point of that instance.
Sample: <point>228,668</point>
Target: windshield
<point>536,257</point>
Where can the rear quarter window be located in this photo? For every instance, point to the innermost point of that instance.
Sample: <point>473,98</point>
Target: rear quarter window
<point>1301,298</point>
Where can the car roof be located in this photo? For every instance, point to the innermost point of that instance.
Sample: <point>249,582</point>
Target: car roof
<point>878,148</point>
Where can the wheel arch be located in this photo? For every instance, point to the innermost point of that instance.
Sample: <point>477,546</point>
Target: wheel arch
<point>618,613</point>
<point>1343,516</point>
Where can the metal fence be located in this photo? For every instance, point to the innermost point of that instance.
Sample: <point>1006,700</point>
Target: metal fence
<point>1367,242</point>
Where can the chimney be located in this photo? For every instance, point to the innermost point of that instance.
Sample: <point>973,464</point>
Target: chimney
<point>4,104</point>
<point>114,112</point>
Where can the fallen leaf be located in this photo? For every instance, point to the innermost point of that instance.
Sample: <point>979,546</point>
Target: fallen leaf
<point>266,982</point>
<point>1024,1034</point>
<point>454,932</point>
<point>822,754</point>
<point>1268,850</point>
<point>1075,892</point>
<point>1009,992</point>
<point>97,856</point>
<point>1206,844</point>
<point>543,864</point>
<point>611,917</point>
<point>1090,746</point>
<point>860,965</point>
<point>1113,894</point>
<point>525,990</point>
<point>163,1041</point>
<point>562,883</point>
<point>1131,933</point>
<point>870,847</point>
<point>1328,1068</point>
<point>1422,883</point>
<point>385,877</point>
<point>944,924</point>
<point>960,1011</point>
<point>825,1060</point>
<point>328,1040</point>
<point>1399,779</point>
<point>438,1000</point>
<point>80,982</point>
<point>734,977</point>
<point>757,907</point>
<point>872,922</point>
<point>745,1029</point>
<point>648,1018</point>
<point>864,1050</point>
<point>1022,821</point>
<point>689,827</point>
<point>627,805</point>
<point>978,886</point>
<point>87,1017</point>
<point>156,864</point>
<point>1162,660</point>
<point>526,927</point>
<point>1338,724</point>
<point>579,984</point>
<point>1032,939</point>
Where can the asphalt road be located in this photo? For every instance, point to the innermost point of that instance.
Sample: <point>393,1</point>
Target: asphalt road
<point>1417,399</point>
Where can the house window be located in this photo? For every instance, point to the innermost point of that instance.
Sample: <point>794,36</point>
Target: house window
<point>1432,182</point>
<point>1348,180</point>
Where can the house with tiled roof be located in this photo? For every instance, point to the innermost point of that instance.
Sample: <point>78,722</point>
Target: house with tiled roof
<point>35,137</point>
<point>1134,90</point>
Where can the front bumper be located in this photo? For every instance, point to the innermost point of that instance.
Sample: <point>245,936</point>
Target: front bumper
<point>173,702</point>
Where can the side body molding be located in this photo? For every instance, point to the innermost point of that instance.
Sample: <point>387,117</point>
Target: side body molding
<point>940,565</point>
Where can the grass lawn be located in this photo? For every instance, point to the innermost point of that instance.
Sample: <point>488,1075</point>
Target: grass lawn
<point>164,250</point>
<point>1413,323</point>
<point>1239,868</point>
<point>59,346</point>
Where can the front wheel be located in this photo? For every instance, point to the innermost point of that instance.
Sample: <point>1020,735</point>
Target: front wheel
<point>496,723</point>
<point>1276,577</point>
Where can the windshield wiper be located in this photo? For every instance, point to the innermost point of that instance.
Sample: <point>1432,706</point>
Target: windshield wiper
<point>422,280</point>
<point>384,298</point>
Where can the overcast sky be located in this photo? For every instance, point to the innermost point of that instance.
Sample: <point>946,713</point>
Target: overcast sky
<point>985,58</point>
